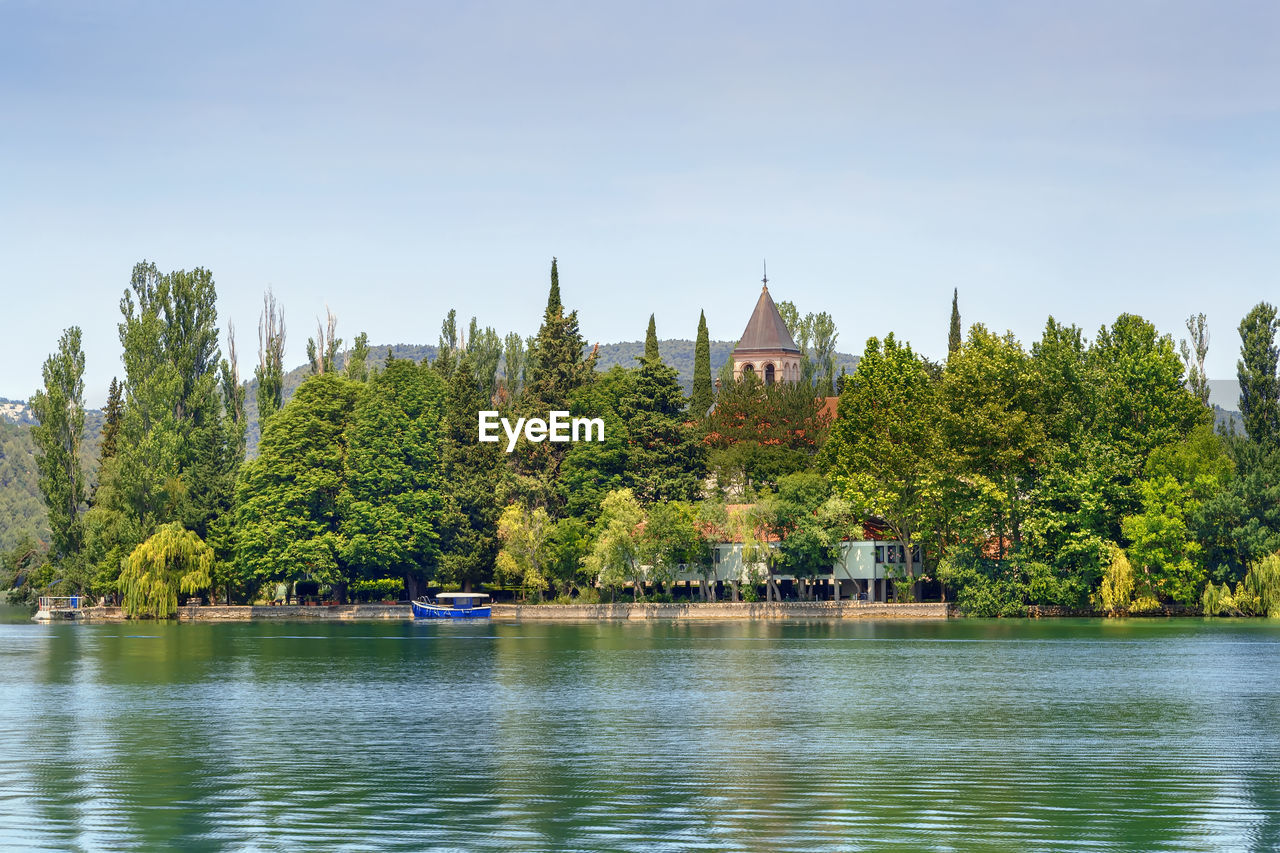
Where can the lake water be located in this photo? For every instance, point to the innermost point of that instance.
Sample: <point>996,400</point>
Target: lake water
<point>1030,735</point>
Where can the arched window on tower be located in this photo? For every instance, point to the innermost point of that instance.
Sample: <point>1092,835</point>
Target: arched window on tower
<point>746,369</point>
<point>768,374</point>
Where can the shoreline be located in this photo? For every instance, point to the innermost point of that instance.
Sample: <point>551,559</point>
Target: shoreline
<point>709,611</point>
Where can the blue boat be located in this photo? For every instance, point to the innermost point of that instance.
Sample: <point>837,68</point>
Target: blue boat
<point>453,605</point>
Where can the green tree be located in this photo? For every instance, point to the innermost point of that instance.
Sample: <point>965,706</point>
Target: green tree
<point>475,483</point>
<point>1193,356</point>
<point>356,366</point>
<point>513,364</point>
<point>884,447</point>
<point>524,556</point>
<point>991,430</point>
<point>393,501</point>
<point>1115,593</point>
<point>673,538</point>
<point>448,349</point>
<point>651,342</point>
<point>567,545</point>
<point>615,556</point>
<point>1240,524</point>
<point>289,499</point>
<point>556,364</point>
<point>759,433</point>
<point>556,369</point>
<point>172,559</point>
<point>806,547</point>
<point>592,469</point>
<point>59,412</point>
<point>322,350</point>
<point>1161,544</point>
<point>485,349</point>
<point>1143,402</point>
<point>270,369</point>
<point>665,460</point>
<point>111,416</point>
<point>1256,369</point>
<point>954,336</point>
<point>823,337</point>
<point>703,394</point>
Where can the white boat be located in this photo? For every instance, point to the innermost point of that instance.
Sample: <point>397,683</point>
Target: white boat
<point>453,605</point>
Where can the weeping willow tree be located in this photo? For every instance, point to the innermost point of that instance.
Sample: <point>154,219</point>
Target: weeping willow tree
<point>173,559</point>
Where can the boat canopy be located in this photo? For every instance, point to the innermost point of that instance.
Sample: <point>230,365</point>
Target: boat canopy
<point>462,595</point>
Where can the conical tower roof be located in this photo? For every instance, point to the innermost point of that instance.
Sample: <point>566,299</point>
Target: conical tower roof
<point>765,330</point>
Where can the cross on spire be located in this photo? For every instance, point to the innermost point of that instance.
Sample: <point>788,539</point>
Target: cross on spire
<point>765,280</point>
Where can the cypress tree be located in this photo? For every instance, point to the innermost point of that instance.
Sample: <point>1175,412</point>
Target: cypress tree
<point>665,460</point>
<point>553,298</point>
<point>703,394</point>
<point>651,342</point>
<point>954,338</point>
<point>556,368</point>
<point>111,420</point>
<point>1256,369</point>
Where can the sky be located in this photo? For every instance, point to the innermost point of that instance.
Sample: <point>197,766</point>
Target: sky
<point>394,160</point>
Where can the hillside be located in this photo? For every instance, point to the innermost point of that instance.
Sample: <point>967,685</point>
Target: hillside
<point>22,511</point>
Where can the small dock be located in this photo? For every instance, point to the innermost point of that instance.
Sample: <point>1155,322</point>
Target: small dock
<point>51,608</point>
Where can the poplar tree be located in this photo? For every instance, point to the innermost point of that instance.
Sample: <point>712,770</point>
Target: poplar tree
<point>484,349</point>
<point>1256,369</point>
<point>176,453</point>
<point>513,363</point>
<point>59,412</point>
<point>1193,356</point>
<point>270,369</point>
<point>703,394</point>
<point>357,359</point>
<point>322,350</point>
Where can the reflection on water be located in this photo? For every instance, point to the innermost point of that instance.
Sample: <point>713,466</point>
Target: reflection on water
<point>1135,735</point>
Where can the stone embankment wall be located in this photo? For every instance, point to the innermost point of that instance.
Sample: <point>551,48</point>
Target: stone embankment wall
<point>244,613</point>
<point>720,610</point>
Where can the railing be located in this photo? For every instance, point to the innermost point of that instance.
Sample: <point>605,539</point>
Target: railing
<point>69,602</point>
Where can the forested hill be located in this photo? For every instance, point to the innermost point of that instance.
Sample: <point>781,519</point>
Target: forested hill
<point>22,512</point>
<point>679,354</point>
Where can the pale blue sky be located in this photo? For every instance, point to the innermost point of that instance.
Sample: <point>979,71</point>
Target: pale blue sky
<point>396,159</point>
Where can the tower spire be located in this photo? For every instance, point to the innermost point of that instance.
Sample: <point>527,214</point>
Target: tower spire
<point>765,280</point>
